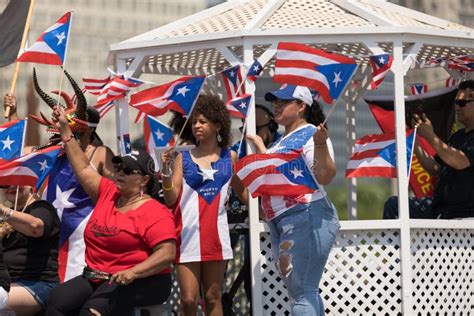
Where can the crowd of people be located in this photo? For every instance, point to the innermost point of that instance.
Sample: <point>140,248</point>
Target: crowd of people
<point>139,223</point>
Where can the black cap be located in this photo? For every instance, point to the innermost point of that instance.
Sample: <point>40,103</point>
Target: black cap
<point>93,119</point>
<point>138,160</point>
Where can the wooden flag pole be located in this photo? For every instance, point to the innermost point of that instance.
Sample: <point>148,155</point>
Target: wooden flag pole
<point>22,45</point>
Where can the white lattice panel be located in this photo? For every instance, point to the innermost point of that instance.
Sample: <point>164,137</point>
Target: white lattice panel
<point>443,271</point>
<point>241,305</point>
<point>362,276</point>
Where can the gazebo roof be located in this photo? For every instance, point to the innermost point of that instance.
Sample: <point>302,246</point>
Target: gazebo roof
<point>189,44</point>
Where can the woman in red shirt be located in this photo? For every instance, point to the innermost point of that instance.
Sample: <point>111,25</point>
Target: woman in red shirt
<point>130,238</point>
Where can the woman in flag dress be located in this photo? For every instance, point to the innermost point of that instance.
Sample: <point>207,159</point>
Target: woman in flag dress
<point>302,227</point>
<point>196,186</point>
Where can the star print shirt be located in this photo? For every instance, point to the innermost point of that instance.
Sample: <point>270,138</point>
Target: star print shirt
<point>118,241</point>
<point>301,138</point>
<point>200,214</point>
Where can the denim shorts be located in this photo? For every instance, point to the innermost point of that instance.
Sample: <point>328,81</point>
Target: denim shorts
<point>38,289</point>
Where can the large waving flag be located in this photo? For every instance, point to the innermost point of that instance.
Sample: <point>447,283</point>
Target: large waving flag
<point>51,47</point>
<point>232,78</point>
<point>12,23</point>
<point>31,169</point>
<point>178,95</point>
<point>375,155</point>
<point>117,88</point>
<point>239,106</point>
<point>275,174</point>
<point>12,136</point>
<point>380,65</point>
<point>327,73</point>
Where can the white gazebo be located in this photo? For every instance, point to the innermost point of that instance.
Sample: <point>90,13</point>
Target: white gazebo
<point>376,267</point>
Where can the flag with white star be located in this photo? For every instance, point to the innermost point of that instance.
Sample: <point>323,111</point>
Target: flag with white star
<point>179,95</point>
<point>31,169</point>
<point>303,65</point>
<point>276,174</point>
<point>50,48</point>
<point>380,65</point>
<point>156,134</point>
<point>234,86</point>
<point>239,106</point>
<point>254,71</point>
<point>12,135</point>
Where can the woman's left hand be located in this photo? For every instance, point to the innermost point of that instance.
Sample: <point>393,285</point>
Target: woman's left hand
<point>124,277</point>
<point>321,135</point>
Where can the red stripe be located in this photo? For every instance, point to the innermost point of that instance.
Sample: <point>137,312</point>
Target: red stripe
<point>65,18</point>
<point>208,232</point>
<point>17,179</point>
<point>62,260</point>
<point>283,63</point>
<point>373,153</point>
<point>39,57</point>
<point>383,172</point>
<point>257,157</point>
<point>281,189</point>
<point>258,173</point>
<point>178,221</point>
<point>307,49</point>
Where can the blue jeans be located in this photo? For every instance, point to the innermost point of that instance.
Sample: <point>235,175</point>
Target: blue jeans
<point>302,238</point>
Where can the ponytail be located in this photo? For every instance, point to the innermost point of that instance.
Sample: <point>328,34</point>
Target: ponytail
<point>314,114</point>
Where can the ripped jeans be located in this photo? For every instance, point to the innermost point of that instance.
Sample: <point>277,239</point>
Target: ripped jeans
<point>302,238</point>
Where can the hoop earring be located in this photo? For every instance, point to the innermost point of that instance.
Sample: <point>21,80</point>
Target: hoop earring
<point>141,191</point>
<point>219,138</point>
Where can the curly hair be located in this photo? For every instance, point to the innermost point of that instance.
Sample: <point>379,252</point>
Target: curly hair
<point>177,123</point>
<point>215,111</point>
<point>314,114</point>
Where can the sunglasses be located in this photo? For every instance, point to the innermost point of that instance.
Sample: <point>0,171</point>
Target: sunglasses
<point>462,103</point>
<point>126,170</point>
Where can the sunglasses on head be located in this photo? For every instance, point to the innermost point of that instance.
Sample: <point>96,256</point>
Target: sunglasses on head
<point>126,170</point>
<point>462,103</point>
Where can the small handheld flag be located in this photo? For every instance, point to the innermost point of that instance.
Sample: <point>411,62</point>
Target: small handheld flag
<point>239,106</point>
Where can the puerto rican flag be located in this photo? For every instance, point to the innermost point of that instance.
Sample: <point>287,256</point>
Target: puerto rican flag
<point>239,106</point>
<point>12,137</point>
<point>375,155</point>
<point>104,108</point>
<point>233,83</point>
<point>327,73</point>
<point>462,63</point>
<point>156,134</point>
<point>117,88</point>
<point>380,65</point>
<point>450,82</point>
<point>418,88</point>
<point>95,86</point>
<point>255,71</point>
<point>179,95</point>
<point>51,47</point>
<point>275,174</point>
<point>31,169</point>
<point>74,207</point>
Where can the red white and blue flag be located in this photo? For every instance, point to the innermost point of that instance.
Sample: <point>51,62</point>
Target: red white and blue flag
<point>12,136</point>
<point>375,155</point>
<point>74,207</point>
<point>450,82</point>
<point>380,65</point>
<point>31,169</point>
<point>51,47</point>
<point>95,86</point>
<point>275,174</point>
<point>302,65</point>
<point>179,95</point>
<point>104,108</point>
<point>255,70</point>
<point>418,88</point>
<point>117,88</point>
<point>462,63</point>
<point>233,83</point>
<point>157,134</point>
<point>239,106</point>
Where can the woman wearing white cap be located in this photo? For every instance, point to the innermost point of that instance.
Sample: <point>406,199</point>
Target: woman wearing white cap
<point>302,227</point>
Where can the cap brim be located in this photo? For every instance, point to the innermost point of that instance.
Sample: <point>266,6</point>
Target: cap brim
<point>279,94</point>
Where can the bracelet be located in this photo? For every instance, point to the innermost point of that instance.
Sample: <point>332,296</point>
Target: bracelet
<point>320,145</point>
<point>165,188</point>
<point>66,140</point>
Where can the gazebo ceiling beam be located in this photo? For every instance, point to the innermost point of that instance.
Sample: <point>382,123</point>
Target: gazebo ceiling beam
<point>410,56</point>
<point>229,55</point>
<point>266,12</point>
<point>361,11</point>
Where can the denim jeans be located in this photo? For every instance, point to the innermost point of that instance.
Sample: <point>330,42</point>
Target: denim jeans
<point>302,238</point>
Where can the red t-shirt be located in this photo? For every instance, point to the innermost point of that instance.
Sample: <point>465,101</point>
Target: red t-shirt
<point>118,241</point>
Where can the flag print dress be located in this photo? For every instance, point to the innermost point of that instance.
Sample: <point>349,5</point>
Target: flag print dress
<point>200,216</point>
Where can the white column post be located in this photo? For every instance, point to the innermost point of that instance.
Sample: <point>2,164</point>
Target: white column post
<point>254,227</point>
<point>405,249</point>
